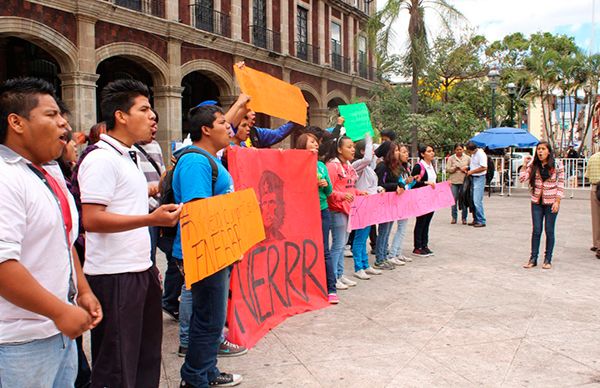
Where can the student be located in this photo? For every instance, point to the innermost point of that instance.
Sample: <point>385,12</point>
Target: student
<point>308,141</point>
<point>45,301</point>
<point>388,173</point>
<point>405,182</point>
<point>343,179</point>
<point>364,165</point>
<point>426,176</point>
<point>192,180</point>
<point>546,177</point>
<point>126,346</point>
<point>457,167</point>
<point>477,171</point>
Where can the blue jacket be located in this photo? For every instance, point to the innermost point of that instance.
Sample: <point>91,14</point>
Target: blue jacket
<point>265,137</point>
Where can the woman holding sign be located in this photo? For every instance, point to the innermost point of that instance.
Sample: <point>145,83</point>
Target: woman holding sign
<point>426,176</point>
<point>343,179</point>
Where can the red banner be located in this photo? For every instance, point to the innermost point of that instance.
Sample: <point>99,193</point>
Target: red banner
<point>283,275</point>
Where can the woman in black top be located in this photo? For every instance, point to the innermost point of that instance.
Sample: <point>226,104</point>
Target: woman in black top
<point>425,176</point>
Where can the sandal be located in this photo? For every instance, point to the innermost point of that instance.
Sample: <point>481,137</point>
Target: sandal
<point>547,266</point>
<point>529,265</point>
<point>453,221</point>
<point>464,222</point>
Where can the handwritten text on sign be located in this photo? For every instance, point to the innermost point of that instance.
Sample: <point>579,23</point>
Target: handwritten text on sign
<point>217,231</point>
<point>386,207</point>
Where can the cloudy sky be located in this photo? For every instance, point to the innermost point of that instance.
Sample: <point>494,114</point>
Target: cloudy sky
<point>495,19</point>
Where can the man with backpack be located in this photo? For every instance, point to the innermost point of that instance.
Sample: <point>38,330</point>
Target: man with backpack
<point>477,171</point>
<point>194,177</point>
<point>126,346</point>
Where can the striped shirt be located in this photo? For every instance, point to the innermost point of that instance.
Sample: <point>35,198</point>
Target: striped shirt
<point>152,176</point>
<point>550,189</point>
<point>593,169</point>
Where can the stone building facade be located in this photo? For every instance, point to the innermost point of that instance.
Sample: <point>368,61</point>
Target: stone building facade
<point>185,50</point>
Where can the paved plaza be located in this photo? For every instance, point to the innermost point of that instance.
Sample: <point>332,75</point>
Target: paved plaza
<point>468,316</point>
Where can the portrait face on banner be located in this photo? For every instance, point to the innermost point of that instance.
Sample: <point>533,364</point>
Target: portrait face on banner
<point>283,275</point>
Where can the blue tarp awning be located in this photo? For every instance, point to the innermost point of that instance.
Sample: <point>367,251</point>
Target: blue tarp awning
<point>504,137</point>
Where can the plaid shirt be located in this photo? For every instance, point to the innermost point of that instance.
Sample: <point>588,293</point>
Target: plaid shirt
<point>550,189</point>
<point>593,169</point>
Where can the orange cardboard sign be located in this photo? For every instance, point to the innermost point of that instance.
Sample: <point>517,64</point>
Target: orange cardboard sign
<point>217,231</point>
<point>272,96</point>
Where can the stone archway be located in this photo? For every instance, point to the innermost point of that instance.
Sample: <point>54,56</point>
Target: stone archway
<point>334,99</point>
<point>152,62</point>
<point>215,72</point>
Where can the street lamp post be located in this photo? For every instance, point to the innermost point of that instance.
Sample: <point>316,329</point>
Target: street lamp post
<point>493,77</point>
<point>512,92</point>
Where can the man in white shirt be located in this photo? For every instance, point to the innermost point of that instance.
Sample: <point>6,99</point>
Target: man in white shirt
<point>477,170</point>
<point>126,347</point>
<point>45,301</point>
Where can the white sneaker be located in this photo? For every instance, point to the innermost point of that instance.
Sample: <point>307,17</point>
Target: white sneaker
<point>406,259</point>
<point>348,282</point>
<point>373,271</point>
<point>347,252</point>
<point>396,262</point>
<point>340,286</point>
<point>361,275</point>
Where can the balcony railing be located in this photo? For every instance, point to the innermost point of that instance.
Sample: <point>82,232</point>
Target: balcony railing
<point>307,52</point>
<point>265,38</point>
<point>207,19</point>
<point>152,7</point>
<point>340,63</point>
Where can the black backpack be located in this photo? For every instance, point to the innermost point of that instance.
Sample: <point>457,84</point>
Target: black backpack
<point>166,186</point>
<point>489,174</point>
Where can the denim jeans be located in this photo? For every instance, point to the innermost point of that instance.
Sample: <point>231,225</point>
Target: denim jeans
<point>478,189</point>
<point>359,249</point>
<point>209,305</point>
<point>173,276</point>
<point>383,237</point>
<point>456,190</point>
<point>339,236</point>
<point>329,268</point>
<point>44,363</point>
<point>542,218</point>
<point>185,314</point>
<point>396,249</point>
<point>154,236</point>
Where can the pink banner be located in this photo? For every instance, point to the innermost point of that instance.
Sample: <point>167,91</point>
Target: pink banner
<point>386,207</point>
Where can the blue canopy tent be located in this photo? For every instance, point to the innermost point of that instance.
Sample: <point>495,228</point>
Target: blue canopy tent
<point>504,137</point>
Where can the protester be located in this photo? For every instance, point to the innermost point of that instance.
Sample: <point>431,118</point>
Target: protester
<point>426,176</point>
<point>308,141</point>
<point>546,177</point>
<point>387,135</point>
<point>457,167</point>
<point>343,180</point>
<point>95,131</point>
<point>126,346</point>
<point>364,165</point>
<point>388,173</point>
<point>477,170</point>
<point>153,166</point>
<point>192,180</point>
<point>592,173</point>
<point>45,301</point>
<point>405,182</point>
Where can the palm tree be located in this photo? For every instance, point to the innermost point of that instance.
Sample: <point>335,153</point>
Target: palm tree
<point>380,29</point>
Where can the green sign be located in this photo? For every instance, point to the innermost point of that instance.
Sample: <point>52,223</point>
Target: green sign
<point>357,120</point>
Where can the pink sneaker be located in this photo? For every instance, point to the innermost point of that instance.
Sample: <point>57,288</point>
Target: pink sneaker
<point>333,299</point>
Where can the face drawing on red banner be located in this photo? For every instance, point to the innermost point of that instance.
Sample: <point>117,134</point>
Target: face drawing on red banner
<point>272,206</point>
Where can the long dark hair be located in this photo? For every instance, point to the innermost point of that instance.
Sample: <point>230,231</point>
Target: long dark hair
<point>391,161</point>
<point>536,166</point>
<point>404,167</point>
<point>331,148</point>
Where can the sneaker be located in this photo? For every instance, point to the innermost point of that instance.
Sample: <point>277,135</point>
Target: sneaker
<point>229,349</point>
<point>419,252</point>
<point>348,282</point>
<point>347,251</point>
<point>172,313</point>
<point>340,286</point>
<point>372,271</point>
<point>406,259</point>
<point>226,380</point>
<point>182,351</point>
<point>333,299</point>
<point>428,251</point>
<point>361,275</point>
<point>185,384</point>
<point>396,262</point>
<point>384,265</point>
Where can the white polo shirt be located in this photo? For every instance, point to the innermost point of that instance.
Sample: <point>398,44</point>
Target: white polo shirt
<point>478,159</point>
<point>108,176</point>
<point>32,232</point>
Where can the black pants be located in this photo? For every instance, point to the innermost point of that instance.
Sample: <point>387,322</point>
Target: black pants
<point>373,236</point>
<point>421,233</point>
<point>126,345</point>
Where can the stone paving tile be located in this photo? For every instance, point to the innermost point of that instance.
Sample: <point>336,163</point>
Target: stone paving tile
<point>469,316</point>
